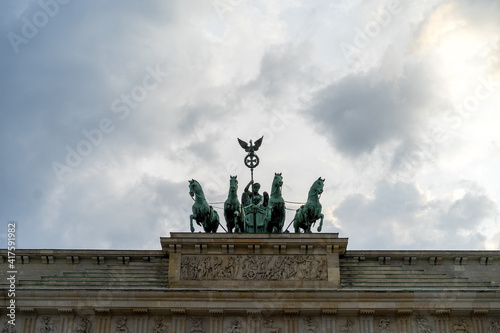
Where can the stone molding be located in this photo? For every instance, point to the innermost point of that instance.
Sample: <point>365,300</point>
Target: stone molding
<point>224,243</point>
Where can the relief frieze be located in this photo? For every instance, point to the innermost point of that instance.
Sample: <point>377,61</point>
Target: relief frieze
<point>494,327</point>
<point>422,326</point>
<point>253,267</point>
<point>160,326</point>
<point>84,326</point>
<point>461,326</point>
<point>8,328</point>
<point>47,325</point>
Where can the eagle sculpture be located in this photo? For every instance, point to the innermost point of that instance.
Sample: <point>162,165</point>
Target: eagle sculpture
<point>249,147</point>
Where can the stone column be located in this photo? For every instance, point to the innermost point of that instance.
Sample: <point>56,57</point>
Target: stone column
<point>253,321</point>
<point>404,321</point>
<point>179,321</point>
<point>103,321</point>
<point>67,318</point>
<point>291,322</point>
<point>442,321</point>
<point>141,323</point>
<point>478,321</point>
<point>28,322</point>
<point>366,321</point>
<point>216,321</point>
<point>329,321</point>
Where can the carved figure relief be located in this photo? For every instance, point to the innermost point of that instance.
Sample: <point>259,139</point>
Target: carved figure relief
<point>422,326</point>
<point>8,328</point>
<point>383,324</point>
<point>251,267</point>
<point>494,327</point>
<point>121,325</point>
<point>47,325</point>
<point>311,326</point>
<point>347,328</point>
<point>235,327</point>
<point>197,326</point>
<point>268,324</point>
<point>84,326</point>
<point>159,326</point>
<point>461,327</point>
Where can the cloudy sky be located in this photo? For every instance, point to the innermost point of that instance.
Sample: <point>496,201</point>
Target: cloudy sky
<point>109,107</point>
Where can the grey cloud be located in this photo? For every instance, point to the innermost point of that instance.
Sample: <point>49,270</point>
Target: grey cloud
<point>67,77</point>
<point>481,14</point>
<point>63,81</point>
<point>467,211</point>
<point>286,75</point>
<point>361,111</point>
<point>118,218</point>
<point>400,216</point>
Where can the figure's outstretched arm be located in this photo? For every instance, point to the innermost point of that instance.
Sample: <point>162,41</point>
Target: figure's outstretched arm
<point>248,186</point>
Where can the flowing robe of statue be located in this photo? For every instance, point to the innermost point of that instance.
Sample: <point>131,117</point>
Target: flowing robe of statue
<point>255,208</point>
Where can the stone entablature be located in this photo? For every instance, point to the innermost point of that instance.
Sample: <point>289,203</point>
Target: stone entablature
<point>417,270</point>
<point>302,283</point>
<point>40,269</point>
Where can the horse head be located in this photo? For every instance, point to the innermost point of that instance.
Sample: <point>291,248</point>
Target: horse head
<point>278,179</point>
<point>195,188</point>
<point>277,182</point>
<point>233,183</point>
<point>317,187</point>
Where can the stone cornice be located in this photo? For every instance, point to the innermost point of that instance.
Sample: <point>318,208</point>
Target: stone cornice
<point>224,243</point>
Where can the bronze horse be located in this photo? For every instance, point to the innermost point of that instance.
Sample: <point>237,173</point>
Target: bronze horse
<point>276,207</point>
<point>234,214</point>
<point>307,214</point>
<point>203,213</point>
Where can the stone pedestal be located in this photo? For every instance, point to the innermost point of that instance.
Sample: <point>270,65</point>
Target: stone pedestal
<point>254,261</point>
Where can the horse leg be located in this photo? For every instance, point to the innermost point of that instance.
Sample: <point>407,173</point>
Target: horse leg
<point>235,220</point>
<point>214,219</point>
<point>320,223</point>
<point>298,219</point>
<point>191,217</point>
<point>227,217</point>
<point>240,222</point>
<point>296,224</point>
<point>281,221</point>
<point>205,222</point>
<point>243,223</point>
<point>208,225</point>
